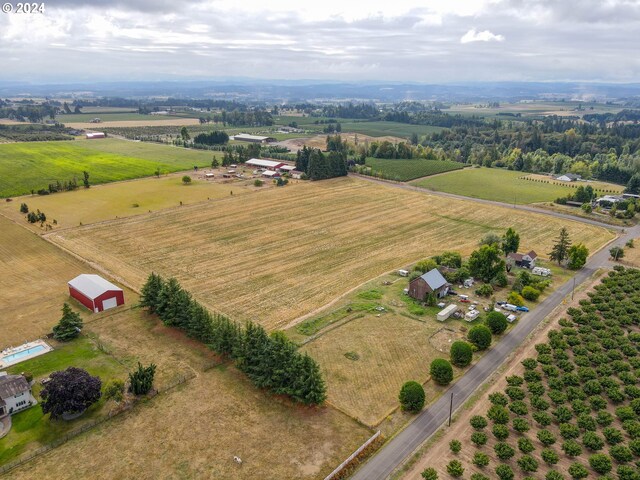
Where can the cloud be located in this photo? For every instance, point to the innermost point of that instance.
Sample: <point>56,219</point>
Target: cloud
<point>485,36</point>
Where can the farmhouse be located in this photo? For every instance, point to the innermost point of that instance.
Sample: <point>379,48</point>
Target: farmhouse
<point>95,293</point>
<point>568,177</point>
<point>245,137</point>
<point>430,282</point>
<point>525,260</point>
<point>94,135</point>
<point>15,394</point>
<point>268,164</point>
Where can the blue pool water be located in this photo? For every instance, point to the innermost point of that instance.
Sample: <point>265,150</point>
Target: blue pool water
<point>15,357</point>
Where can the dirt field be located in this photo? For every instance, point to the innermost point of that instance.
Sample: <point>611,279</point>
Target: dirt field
<point>439,454</point>
<point>133,123</point>
<point>195,430</point>
<point>128,198</point>
<point>33,284</point>
<point>274,256</point>
<point>391,349</point>
<point>632,255</point>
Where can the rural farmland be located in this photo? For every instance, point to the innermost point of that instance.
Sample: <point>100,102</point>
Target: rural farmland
<point>409,169</point>
<point>334,236</point>
<point>503,186</point>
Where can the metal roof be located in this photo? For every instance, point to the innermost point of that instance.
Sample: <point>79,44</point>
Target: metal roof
<point>434,279</point>
<point>11,385</point>
<point>246,136</point>
<point>92,286</point>
<point>259,162</point>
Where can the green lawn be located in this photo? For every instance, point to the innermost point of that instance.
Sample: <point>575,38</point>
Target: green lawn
<point>33,165</point>
<point>374,129</point>
<point>31,429</point>
<point>115,117</point>
<point>409,169</point>
<point>495,184</point>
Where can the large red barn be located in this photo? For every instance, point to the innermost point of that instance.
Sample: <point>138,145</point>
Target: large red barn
<point>95,293</point>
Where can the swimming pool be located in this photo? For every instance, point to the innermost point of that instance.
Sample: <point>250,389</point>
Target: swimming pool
<point>29,350</point>
<point>24,353</point>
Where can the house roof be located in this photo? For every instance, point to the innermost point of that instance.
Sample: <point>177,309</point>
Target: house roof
<point>571,176</point>
<point>11,385</point>
<point>516,256</point>
<point>434,279</point>
<point>259,162</point>
<point>246,136</point>
<point>533,254</point>
<point>92,286</point>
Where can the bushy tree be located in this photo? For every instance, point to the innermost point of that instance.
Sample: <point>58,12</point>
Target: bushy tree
<point>412,397</point>
<point>577,255</point>
<point>478,422</point>
<point>525,445</point>
<point>480,459</point>
<point>554,475</point>
<point>480,336</point>
<point>527,463</point>
<point>24,208</point>
<point>578,471</point>
<point>516,299</point>
<point>546,437</point>
<point>549,456</point>
<point>429,474</point>
<point>497,322</point>
<point>572,448</point>
<point>616,252</point>
<point>480,438</point>
<point>501,432</point>
<point>69,391</point>
<point>486,262</point>
<point>510,241</point>
<point>601,463</point>
<point>441,371</point>
<point>621,453</point>
<point>141,381</point>
<point>461,353</point>
<point>530,293</point>
<point>455,468</point>
<point>455,446</point>
<point>186,179</point>
<point>70,325</point>
<point>504,472</point>
<point>503,451</point>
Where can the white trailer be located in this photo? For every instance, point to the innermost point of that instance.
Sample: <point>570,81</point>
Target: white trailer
<point>543,272</point>
<point>472,315</point>
<point>403,273</point>
<point>446,312</point>
<point>511,308</point>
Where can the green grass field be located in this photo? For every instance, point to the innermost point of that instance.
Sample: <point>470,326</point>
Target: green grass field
<point>500,185</point>
<point>31,428</point>
<point>107,117</point>
<point>409,169</point>
<point>381,129</point>
<point>33,165</point>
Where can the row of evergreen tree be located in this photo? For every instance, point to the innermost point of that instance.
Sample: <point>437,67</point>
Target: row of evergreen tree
<point>319,166</point>
<point>270,361</point>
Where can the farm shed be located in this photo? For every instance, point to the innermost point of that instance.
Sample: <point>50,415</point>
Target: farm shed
<point>286,168</point>
<point>92,135</point>
<point>95,293</point>
<point>270,174</point>
<point>268,164</point>
<point>430,282</point>
<point>245,137</point>
<point>568,177</point>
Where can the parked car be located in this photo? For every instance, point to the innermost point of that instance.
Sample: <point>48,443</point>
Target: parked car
<point>501,303</point>
<point>452,292</point>
<point>522,309</point>
<point>465,300</point>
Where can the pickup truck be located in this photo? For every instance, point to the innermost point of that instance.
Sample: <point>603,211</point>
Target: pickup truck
<point>522,309</point>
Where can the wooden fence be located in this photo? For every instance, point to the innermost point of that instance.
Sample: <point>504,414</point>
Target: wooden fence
<point>352,456</point>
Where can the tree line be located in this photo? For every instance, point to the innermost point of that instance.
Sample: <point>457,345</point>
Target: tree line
<point>270,361</point>
<point>319,166</point>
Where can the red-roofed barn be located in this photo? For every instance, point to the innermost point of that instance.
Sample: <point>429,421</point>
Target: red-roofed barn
<point>95,293</point>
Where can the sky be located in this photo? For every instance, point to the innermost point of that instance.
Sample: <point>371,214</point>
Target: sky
<point>430,41</point>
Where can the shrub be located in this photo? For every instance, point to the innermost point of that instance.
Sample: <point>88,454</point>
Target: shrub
<point>530,363</point>
<point>429,474</point>
<point>546,437</point>
<point>515,393</point>
<point>480,438</point>
<point>568,431</point>
<point>542,418</point>
<point>480,459</point>
<point>525,445</point>
<point>441,371</point>
<point>478,422</point>
<point>479,476</point>
<point>554,475</point>
<point>461,353</point>
<point>501,432</point>
<point>601,463</point>
<point>604,418</point>
<point>530,293</point>
<point>498,414</point>
<point>455,446</point>
<point>258,183</point>
<point>634,445</point>
<point>141,381</point>
<point>521,425</point>
<point>186,180</point>
<point>578,471</point>
<point>504,472</point>
<point>563,414</point>
<point>613,436</point>
<point>412,397</point>
<point>516,299</point>
<point>455,468</point>
<point>572,448</point>
<point>625,413</point>
<point>587,422</point>
<point>480,336</point>
<point>484,290</point>
<point>550,457</point>
<point>625,472</point>
<point>519,407</point>
<point>592,441</point>
<point>621,453</point>
<point>503,451</point>
<point>497,322</point>
<point>527,463</point>
<point>114,390</point>
<point>498,398</point>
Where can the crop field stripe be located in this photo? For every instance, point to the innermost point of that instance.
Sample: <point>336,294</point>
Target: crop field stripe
<point>410,169</point>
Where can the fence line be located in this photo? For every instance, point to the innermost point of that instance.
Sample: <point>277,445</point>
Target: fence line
<point>179,380</point>
<point>352,456</point>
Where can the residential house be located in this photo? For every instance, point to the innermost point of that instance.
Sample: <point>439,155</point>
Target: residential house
<point>525,260</point>
<point>15,394</point>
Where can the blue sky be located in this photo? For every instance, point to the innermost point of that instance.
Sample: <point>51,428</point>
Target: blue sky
<point>428,41</point>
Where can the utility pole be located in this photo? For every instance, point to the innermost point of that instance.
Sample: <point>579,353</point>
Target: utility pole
<point>450,409</point>
<point>574,287</point>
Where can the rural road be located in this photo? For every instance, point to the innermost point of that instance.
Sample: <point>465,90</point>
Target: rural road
<point>429,421</point>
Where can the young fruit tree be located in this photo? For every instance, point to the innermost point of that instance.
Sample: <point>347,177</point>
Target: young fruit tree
<point>69,391</point>
<point>70,325</point>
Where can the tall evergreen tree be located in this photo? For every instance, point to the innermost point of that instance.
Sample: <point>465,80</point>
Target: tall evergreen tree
<point>150,292</point>
<point>560,250</point>
<point>167,306</point>
<point>69,326</point>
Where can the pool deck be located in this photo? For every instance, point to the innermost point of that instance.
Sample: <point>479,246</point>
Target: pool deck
<point>11,351</point>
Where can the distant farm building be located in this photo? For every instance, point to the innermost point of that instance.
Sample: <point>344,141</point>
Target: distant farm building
<point>270,174</point>
<point>525,260</point>
<point>268,164</point>
<point>92,135</point>
<point>95,293</point>
<point>245,137</point>
<point>430,282</point>
<point>568,177</point>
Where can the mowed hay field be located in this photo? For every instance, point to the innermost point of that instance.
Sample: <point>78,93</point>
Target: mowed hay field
<point>33,165</point>
<point>195,430</point>
<point>391,349</point>
<point>502,185</point>
<point>123,199</point>
<point>274,256</point>
<point>33,284</point>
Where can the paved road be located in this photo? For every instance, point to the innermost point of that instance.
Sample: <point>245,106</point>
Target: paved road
<point>427,423</point>
<point>527,208</point>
